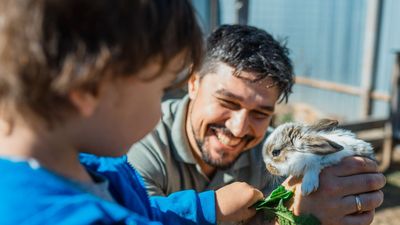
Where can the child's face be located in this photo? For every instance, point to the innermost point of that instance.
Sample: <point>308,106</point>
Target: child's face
<point>128,109</point>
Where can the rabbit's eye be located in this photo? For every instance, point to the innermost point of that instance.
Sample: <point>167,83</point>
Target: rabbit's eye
<point>276,152</point>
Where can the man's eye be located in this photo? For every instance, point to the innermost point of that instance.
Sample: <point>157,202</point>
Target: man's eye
<point>229,104</point>
<point>260,115</point>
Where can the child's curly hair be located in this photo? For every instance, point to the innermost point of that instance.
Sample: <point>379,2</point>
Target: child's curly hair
<point>49,47</point>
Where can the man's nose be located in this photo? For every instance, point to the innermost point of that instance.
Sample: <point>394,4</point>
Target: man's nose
<point>238,123</point>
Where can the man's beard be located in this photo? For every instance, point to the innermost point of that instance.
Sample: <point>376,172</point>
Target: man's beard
<point>205,153</point>
<point>205,150</point>
<point>207,158</point>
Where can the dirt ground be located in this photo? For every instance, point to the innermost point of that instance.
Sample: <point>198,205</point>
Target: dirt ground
<point>389,212</point>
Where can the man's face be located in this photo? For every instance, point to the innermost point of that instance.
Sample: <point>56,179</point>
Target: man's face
<point>228,115</point>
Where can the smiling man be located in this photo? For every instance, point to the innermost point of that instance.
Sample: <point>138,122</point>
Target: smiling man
<point>213,135</point>
<point>228,115</point>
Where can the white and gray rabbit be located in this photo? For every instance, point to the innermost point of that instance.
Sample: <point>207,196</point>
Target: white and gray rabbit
<point>304,150</point>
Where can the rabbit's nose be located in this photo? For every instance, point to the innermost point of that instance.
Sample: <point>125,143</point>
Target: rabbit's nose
<point>272,169</point>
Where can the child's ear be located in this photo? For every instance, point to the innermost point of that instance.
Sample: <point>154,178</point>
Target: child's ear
<point>84,102</point>
<point>193,85</point>
<point>6,126</point>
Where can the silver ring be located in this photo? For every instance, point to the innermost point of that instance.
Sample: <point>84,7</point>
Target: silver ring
<point>358,203</point>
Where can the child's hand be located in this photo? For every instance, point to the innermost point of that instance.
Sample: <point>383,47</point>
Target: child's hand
<point>233,201</point>
<point>334,202</point>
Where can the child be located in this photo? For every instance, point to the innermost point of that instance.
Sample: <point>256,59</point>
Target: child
<point>87,76</point>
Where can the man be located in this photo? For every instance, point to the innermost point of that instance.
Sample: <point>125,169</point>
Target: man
<point>203,140</point>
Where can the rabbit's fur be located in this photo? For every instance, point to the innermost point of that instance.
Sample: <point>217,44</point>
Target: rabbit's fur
<point>304,150</point>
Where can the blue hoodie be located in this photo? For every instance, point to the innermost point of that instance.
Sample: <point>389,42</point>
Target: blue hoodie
<point>34,195</point>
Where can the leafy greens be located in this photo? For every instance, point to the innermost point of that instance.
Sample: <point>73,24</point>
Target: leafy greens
<point>273,208</point>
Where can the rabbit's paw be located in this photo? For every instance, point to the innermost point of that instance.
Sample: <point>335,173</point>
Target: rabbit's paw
<point>309,184</point>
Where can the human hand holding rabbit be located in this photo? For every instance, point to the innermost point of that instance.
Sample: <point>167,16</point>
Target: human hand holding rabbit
<point>333,203</point>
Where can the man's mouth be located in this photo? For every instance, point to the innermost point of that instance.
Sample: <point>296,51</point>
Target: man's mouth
<point>226,138</point>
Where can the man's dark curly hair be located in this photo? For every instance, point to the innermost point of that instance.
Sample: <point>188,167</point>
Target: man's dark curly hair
<point>247,48</point>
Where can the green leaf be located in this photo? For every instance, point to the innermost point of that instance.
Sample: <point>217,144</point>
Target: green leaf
<point>285,216</point>
<point>273,208</point>
<point>274,198</point>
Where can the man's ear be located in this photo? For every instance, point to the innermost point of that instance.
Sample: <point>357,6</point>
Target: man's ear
<point>193,85</point>
<point>84,102</point>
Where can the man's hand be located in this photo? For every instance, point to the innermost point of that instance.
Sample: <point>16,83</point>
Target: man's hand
<point>233,201</point>
<point>334,202</point>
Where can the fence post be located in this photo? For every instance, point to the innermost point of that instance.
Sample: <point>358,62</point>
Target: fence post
<point>368,61</point>
<point>395,99</point>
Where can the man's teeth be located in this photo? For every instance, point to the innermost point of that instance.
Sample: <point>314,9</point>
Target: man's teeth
<point>226,140</point>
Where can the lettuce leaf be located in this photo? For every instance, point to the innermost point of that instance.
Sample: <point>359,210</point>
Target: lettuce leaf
<point>273,208</point>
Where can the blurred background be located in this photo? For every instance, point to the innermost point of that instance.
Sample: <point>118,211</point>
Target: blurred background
<point>346,55</point>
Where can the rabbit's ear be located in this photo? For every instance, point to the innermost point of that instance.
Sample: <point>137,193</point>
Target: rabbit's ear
<point>324,124</point>
<point>321,146</point>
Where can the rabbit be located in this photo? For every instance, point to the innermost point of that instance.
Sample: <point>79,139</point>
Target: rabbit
<point>304,150</point>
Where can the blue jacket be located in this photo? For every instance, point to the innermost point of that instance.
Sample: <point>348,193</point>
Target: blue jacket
<point>30,195</point>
